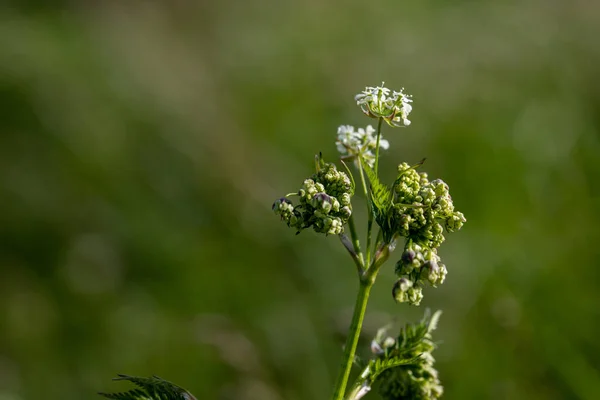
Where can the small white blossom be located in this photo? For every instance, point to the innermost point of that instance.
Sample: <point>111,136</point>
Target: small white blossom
<point>376,102</point>
<point>361,143</point>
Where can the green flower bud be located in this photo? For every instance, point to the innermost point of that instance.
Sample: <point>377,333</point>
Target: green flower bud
<point>455,221</point>
<point>427,195</point>
<point>400,290</point>
<point>423,181</point>
<point>345,213</point>
<point>408,256</point>
<point>281,205</point>
<point>414,295</point>
<point>335,182</point>
<point>345,199</point>
<point>335,226</point>
<point>407,184</point>
<point>440,187</point>
<point>322,202</point>
<point>284,208</point>
<point>407,263</point>
<point>441,274</point>
<point>430,272</point>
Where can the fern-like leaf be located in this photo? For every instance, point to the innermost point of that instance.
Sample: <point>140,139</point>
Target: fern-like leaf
<point>381,364</point>
<point>403,366</point>
<point>382,202</point>
<point>153,388</point>
<point>381,195</point>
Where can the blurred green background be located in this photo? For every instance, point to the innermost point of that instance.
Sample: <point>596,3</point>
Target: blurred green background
<point>142,144</point>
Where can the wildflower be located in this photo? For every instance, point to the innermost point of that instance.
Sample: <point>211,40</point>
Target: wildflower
<point>358,144</point>
<point>377,102</point>
<point>324,202</point>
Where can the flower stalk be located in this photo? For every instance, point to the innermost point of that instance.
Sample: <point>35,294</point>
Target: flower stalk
<point>358,317</point>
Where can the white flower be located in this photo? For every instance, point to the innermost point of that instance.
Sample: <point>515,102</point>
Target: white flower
<point>361,143</point>
<point>376,102</point>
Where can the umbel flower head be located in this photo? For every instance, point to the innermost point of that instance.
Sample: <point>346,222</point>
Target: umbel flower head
<point>422,210</point>
<point>380,102</point>
<point>324,202</point>
<point>361,143</point>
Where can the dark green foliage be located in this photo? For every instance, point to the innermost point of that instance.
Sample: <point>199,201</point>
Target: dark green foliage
<point>415,380</point>
<point>403,366</point>
<point>153,388</point>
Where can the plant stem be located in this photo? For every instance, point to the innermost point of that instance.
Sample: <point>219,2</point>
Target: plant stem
<point>369,230</point>
<point>352,340</point>
<point>378,240</point>
<point>370,220</point>
<point>369,212</point>
<point>377,146</point>
<point>356,243</point>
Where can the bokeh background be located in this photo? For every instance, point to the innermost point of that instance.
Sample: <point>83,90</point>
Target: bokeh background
<point>142,144</point>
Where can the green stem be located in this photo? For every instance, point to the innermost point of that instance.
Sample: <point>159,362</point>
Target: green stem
<point>370,216</point>
<point>377,146</point>
<point>356,243</point>
<point>364,184</point>
<point>378,240</point>
<point>369,230</point>
<point>352,394</point>
<point>352,341</point>
<point>370,220</point>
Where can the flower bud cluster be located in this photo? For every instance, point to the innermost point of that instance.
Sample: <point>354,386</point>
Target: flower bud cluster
<point>423,208</point>
<point>418,380</point>
<point>418,266</point>
<point>422,211</point>
<point>359,144</point>
<point>379,102</point>
<point>324,202</point>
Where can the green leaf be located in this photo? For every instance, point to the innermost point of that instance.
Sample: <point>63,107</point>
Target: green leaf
<point>153,388</point>
<point>411,351</point>
<point>379,365</point>
<point>382,201</point>
<point>381,195</point>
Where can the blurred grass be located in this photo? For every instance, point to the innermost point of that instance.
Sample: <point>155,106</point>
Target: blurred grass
<point>142,145</point>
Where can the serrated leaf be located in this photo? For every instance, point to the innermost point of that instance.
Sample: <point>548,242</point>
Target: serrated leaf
<point>153,388</point>
<point>411,350</point>
<point>380,365</point>
<point>381,195</point>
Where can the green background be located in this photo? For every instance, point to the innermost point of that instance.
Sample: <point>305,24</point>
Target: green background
<point>142,144</point>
